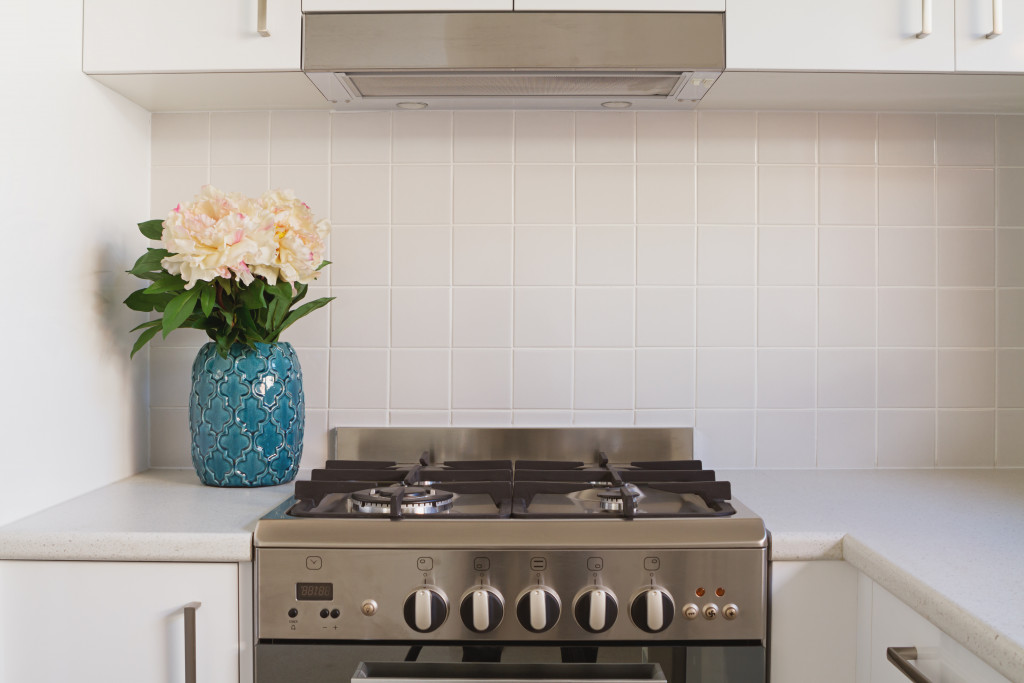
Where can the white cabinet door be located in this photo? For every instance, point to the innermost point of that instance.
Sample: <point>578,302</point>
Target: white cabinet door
<point>173,36</point>
<point>406,5</point>
<point>116,622</point>
<point>814,622</point>
<point>826,35</point>
<point>620,5</point>
<point>974,20</point>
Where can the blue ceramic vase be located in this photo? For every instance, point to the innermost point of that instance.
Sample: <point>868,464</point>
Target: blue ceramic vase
<point>246,413</point>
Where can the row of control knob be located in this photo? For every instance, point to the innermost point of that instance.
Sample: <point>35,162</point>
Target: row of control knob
<point>538,609</point>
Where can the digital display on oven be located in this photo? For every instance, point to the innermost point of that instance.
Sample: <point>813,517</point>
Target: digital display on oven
<point>314,591</point>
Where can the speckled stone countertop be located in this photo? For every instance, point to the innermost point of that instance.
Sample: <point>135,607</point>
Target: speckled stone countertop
<point>949,543</point>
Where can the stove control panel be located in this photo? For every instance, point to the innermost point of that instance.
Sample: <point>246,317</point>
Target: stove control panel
<point>511,595</point>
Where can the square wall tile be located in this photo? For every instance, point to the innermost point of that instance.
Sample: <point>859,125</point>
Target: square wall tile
<point>482,256</point>
<point>604,316</point>
<point>726,378</point>
<point>604,256</point>
<point>725,316</point>
<point>966,257</point>
<point>311,184</point>
<point>312,331</point>
<point>300,137</point>
<point>906,256</point>
<point>846,195</point>
<point>1010,140</point>
<point>966,140</point>
<point>357,418</point>
<point>786,195</point>
<point>359,317</point>
<point>1010,438</point>
<point>543,317</point>
<point>726,256</point>
<point>239,137</point>
<point>544,137</point>
<point>967,378</point>
<point>360,256</point>
<point>542,418</point>
<point>603,418</point>
<point>421,137</point>
<point>170,370</point>
<point>666,255</point>
<point>483,194</point>
<point>846,316</point>
<point>786,378</point>
<point>906,438</point>
<point>967,438</point>
<point>846,378</point>
<point>482,317</point>
<point>542,379</point>
<point>966,196</point>
<point>906,317</point>
<point>603,379</point>
<point>361,137</point>
<point>419,418</point>
<point>786,256</point>
<point>180,139</point>
<point>249,180</point>
<point>169,444</point>
<point>665,193</point>
<point>1011,317</point>
<point>359,378</point>
<point>666,136</point>
<point>605,137</point>
<point>543,195</point>
<point>725,194</point>
<point>967,317</point>
<point>421,255</point>
<point>665,418</point>
<point>665,378</point>
<point>544,255</point>
<point>665,316</point>
<point>421,195</point>
<point>604,195</point>
<point>482,378</point>
<point>787,316</point>
<point>785,439</point>
<point>481,418</point>
<point>846,256</point>
<point>725,438</point>
<point>1010,254</point>
<point>1010,210</point>
<point>787,137</point>
<point>172,185</point>
<point>360,195</point>
<point>484,136</point>
<point>846,138</point>
<point>726,136</point>
<point>846,439</point>
<point>419,378</point>
<point>1011,378</point>
<point>906,196</point>
<point>906,139</point>
<point>906,378</point>
<point>420,317</point>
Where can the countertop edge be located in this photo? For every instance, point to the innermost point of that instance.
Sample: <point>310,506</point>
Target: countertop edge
<point>126,546</point>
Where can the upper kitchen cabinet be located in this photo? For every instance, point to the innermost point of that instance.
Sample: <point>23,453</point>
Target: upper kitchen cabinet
<point>869,35</point>
<point>128,36</point>
<point>990,35</point>
<point>406,5</point>
<point>620,5</point>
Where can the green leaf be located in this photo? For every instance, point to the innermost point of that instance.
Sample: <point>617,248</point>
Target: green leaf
<point>178,310</point>
<point>282,292</point>
<point>300,293</point>
<point>207,301</point>
<point>301,311</point>
<point>148,323</point>
<point>149,261</point>
<point>323,265</point>
<point>144,339</point>
<point>252,296</point>
<point>168,283</point>
<point>140,301</point>
<point>152,229</point>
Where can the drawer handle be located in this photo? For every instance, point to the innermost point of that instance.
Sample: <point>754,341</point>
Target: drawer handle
<point>926,19</point>
<point>901,658</point>
<point>261,18</point>
<point>190,641</point>
<point>997,20</point>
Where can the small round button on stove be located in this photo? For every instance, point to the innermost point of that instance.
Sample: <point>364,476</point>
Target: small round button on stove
<point>690,611</point>
<point>324,613</point>
<point>730,612</point>
<point>293,612</point>
<point>710,611</point>
<point>335,613</point>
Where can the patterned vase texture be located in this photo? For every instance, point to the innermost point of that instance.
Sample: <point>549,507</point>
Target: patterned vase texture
<point>246,414</point>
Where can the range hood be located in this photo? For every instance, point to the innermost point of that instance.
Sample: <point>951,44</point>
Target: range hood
<point>514,60</point>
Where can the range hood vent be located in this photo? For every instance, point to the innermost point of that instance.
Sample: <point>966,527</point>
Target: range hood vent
<point>650,60</point>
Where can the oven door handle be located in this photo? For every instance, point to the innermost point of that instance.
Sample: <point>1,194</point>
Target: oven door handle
<point>190,641</point>
<point>901,658</point>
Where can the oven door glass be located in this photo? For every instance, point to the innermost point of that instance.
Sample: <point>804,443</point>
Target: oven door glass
<point>481,672</point>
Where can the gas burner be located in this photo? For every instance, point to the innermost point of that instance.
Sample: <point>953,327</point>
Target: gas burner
<point>415,500</point>
<point>613,497</point>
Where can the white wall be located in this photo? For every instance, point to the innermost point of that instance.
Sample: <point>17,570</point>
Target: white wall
<point>74,172</point>
<point>830,290</point>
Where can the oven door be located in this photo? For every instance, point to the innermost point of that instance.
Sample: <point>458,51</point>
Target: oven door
<point>481,672</point>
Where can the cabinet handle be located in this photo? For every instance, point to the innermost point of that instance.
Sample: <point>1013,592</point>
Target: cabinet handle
<point>901,658</point>
<point>926,19</point>
<point>190,641</point>
<point>997,20</point>
<point>261,18</point>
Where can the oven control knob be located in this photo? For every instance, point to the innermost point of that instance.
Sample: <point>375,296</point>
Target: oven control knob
<point>538,609</point>
<point>482,609</point>
<point>425,609</point>
<point>652,610</point>
<point>595,609</point>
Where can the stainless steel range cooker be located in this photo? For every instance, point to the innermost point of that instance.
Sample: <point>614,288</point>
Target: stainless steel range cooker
<point>512,554</point>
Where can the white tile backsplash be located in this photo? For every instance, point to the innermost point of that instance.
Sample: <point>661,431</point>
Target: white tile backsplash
<point>805,289</point>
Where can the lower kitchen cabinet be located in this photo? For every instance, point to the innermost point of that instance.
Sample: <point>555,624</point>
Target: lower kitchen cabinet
<point>120,622</point>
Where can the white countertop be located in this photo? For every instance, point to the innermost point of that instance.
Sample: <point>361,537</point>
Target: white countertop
<point>949,543</point>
